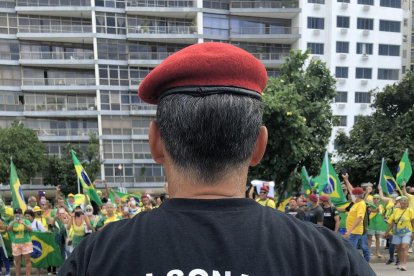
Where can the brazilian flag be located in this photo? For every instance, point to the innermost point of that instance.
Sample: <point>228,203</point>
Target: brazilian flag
<point>328,183</point>
<point>387,180</point>
<point>124,197</point>
<point>46,251</point>
<point>404,169</point>
<point>83,177</point>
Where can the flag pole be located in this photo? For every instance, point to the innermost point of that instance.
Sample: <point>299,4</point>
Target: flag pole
<point>327,169</point>
<point>382,168</point>
<point>77,178</point>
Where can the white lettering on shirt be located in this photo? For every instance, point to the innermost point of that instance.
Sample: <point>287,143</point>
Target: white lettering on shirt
<point>198,272</point>
<point>195,272</point>
<point>175,272</point>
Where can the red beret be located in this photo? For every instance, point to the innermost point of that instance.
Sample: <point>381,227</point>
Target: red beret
<point>357,191</point>
<point>199,68</point>
<point>324,198</point>
<point>264,188</point>
<point>313,197</point>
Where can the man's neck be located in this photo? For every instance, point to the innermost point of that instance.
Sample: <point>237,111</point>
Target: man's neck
<point>188,187</point>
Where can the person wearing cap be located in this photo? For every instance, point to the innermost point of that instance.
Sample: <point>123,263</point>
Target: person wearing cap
<point>71,202</point>
<point>264,200</point>
<point>315,212</point>
<point>367,187</point>
<point>377,225</point>
<point>355,222</point>
<point>19,232</point>
<point>208,131</point>
<point>330,214</point>
<point>402,224</point>
<point>38,216</point>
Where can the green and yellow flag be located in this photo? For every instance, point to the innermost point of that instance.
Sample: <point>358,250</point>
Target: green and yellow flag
<point>46,251</point>
<point>306,183</point>
<point>387,180</point>
<point>404,170</point>
<point>83,177</point>
<point>16,189</point>
<point>328,183</point>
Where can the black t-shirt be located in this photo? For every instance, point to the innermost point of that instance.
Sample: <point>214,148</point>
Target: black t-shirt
<point>297,213</point>
<point>214,237</point>
<point>315,215</point>
<point>329,217</point>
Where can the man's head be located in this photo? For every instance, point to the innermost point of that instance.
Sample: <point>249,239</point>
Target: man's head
<point>209,111</point>
<point>71,198</point>
<point>324,199</point>
<point>32,201</point>
<point>292,203</point>
<point>110,209</point>
<point>264,190</point>
<point>358,193</point>
<point>314,199</point>
<point>145,199</point>
<point>301,201</point>
<point>403,202</point>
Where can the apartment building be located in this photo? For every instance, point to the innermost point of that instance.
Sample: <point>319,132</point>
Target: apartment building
<point>72,67</point>
<point>364,44</point>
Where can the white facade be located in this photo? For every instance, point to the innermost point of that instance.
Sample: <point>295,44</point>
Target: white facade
<point>331,34</point>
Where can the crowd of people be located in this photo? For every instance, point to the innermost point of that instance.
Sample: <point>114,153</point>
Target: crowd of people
<point>365,217</point>
<point>68,220</point>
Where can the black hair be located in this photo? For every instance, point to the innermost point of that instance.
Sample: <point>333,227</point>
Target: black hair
<point>209,135</point>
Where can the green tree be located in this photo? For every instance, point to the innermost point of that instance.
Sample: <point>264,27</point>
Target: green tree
<point>385,133</point>
<point>28,153</point>
<point>299,120</point>
<point>62,172</point>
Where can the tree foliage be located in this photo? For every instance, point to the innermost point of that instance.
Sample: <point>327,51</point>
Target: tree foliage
<point>299,120</point>
<point>385,133</point>
<point>60,170</point>
<point>28,153</point>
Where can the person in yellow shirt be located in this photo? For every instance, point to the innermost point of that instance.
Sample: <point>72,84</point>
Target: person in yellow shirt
<point>355,222</point>
<point>402,224</point>
<point>264,200</point>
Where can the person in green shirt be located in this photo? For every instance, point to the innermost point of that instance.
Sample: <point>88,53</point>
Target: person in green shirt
<point>19,231</point>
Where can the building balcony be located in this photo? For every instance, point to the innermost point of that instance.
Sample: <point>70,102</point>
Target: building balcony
<point>143,109</point>
<point>7,4</point>
<point>268,9</point>
<point>59,84</point>
<point>65,134</point>
<point>175,9</point>
<point>81,60</point>
<point>150,59</point>
<point>60,110</point>
<point>281,35</point>
<point>170,34</point>
<point>271,60</point>
<point>57,33</point>
<point>66,8</point>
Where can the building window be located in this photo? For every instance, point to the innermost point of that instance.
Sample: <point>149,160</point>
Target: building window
<point>342,21</point>
<point>340,121</point>
<point>366,2</point>
<point>341,72</point>
<point>365,23</point>
<point>316,23</point>
<point>357,118</point>
<point>388,50</point>
<point>342,47</point>
<point>363,73</point>
<point>343,1</point>
<point>388,74</point>
<point>317,1</point>
<point>391,3</point>
<point>390,26</point>
<point>316,48</point>
<point>362,97</point>
<point>341,97</point>
<point>364,48</point>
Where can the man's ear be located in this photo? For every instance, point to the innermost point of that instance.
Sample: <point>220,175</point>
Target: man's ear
<point>155,143</point>
<point>260,147</point>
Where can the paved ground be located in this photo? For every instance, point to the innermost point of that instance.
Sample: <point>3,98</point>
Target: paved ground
<point>390,270</point>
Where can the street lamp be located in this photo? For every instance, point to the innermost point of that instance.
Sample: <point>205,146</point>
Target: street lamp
<point>120,172</point>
